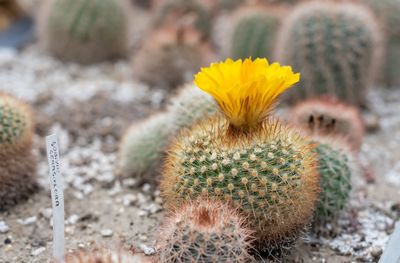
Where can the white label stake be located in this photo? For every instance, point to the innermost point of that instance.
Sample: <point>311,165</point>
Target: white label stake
<point>57,196</point>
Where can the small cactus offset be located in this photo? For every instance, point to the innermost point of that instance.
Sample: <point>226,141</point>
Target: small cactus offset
<point>103,255</point>
<point>85,31</point>
<point>336,48</point>
<point>263,168</point>
<point>336,167</point>
<point>18,165</point>
<point>169,57</point>
<point>142,146</point>
<point>254,35</point>
<point>330,117</point>
<point>204,231</point>
<point>388,12</point>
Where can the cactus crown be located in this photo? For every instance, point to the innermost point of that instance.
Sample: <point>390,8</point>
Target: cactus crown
<point>245,90</point>
<point>15,120</point>
<point>205,231</point>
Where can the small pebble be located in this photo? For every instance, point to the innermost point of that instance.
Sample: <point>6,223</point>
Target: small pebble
<point>27,221</point>
<point>106,232</point>
<point>38,251</point>
<point>376,252</point>
<point>147,250</point>
<point>4,228</point>
<point>7,241</point>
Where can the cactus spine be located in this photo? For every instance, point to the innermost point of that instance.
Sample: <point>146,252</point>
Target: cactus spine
<point>254,36</point>
<point>335,46</point>
<point>18,165</point>
<point>204,231</point>
<point>261,167</point>
<point>330,117</point>
<point>84,31</point>
<point>388,12</point>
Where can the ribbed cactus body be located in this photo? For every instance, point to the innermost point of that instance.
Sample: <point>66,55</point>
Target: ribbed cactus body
<point>335,173</point>
<point>143,145</point>
<point>334,46</point>
<point>85,31</point>
<point>269,176</point>
<point>17,166</point>
<point>388,12</point>
<point>205,231</point>
<point>254,36</point>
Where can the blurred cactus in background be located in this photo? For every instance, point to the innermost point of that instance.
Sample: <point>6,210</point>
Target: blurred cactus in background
<point>143,145</point>
<point>169,57</point>
<point>254,35</point>
<point>330,117</point>
<point>335,46</point>
<point>204,231</point>
<point>18,165</point>
<point>189,13</point>
<point>84,31</point>
<point>388,12</point>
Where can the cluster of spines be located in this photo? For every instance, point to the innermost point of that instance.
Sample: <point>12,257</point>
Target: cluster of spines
<point>204,231</point>
<point>84,31</point>
<point>335,47</point>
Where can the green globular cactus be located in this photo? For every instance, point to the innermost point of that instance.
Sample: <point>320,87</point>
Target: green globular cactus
<point>143,145</point>
<point>335,170</point>
<point>254,36</point>
<point>18,165</point>
<point>204,231</point>
<point>335,46</point>
<point>388,12</point>
<point>269,176</point>
<point>85,31</point>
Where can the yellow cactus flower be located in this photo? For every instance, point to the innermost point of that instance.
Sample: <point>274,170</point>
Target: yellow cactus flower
<point>246,90</point>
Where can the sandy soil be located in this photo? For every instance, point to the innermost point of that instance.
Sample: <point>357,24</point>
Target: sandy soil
<point>89,107</point>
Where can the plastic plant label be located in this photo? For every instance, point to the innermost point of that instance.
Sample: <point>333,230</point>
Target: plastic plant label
<point>57,196</point>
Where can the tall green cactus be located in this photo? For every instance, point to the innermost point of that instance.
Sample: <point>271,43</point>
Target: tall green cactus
<point>389,13</point>
<point>85,31</point>
<point>254,36</point>
<point>334,46</point>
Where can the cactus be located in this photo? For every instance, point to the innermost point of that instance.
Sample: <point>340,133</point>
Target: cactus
<point>84,31</point>
<point>265,169</point>
<point>183,11</point>
<point>388,12</point>
<point>204,231</point>
<point>144,144</point>
<point>268,176</point>
<point>330,117</point>
<point>17,166</point>
<point>335,46</point>
<point>103,255</point>
<point>167,59</point>
<point>254,35</point>
<point>190,106</point>
<point>335,168</point>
